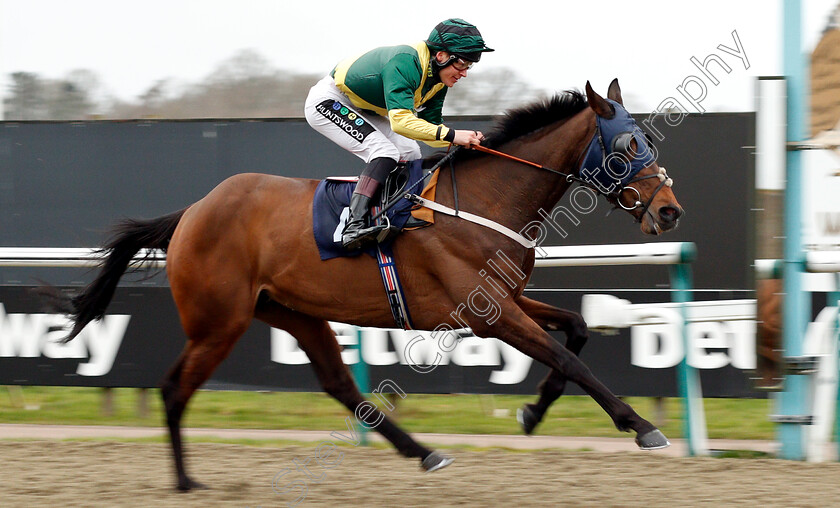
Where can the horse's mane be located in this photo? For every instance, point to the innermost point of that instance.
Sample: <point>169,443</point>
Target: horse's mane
<point>525,120</point>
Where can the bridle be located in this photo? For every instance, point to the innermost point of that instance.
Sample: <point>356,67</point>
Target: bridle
<point>614,196</point>
<point>620,142</point>
<point>607,185</point>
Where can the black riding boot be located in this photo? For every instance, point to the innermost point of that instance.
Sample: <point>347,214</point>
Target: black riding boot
<point>357,232</point>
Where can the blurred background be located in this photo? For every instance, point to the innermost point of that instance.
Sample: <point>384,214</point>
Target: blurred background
<point>93,59</point>
<point>113,109</point>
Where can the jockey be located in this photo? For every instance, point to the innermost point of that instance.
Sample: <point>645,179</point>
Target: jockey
<point>379,104</point>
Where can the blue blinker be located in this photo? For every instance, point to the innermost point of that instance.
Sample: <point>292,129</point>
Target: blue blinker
<point>610,164</point>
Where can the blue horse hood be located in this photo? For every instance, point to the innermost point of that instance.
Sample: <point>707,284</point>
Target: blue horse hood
<point>605,169</point>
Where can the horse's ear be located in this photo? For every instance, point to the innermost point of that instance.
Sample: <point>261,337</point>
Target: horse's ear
<point>614,92</point>
<point>598,104</point>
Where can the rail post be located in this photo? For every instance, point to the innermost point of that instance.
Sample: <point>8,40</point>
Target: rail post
<point>796,306</point>
<point>679,256</point>
<point>688,379</point>
<point>360,374</point>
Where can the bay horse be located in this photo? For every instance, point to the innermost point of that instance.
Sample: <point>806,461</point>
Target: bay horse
<point>246,250</point>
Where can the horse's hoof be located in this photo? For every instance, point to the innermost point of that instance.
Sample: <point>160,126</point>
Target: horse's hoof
<point>653,440</point>
<point>190,484</point>
<point>527,419</point>
<point>435,461</point>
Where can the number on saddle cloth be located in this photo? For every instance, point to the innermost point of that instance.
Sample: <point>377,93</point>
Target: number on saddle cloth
<point>332,198</point>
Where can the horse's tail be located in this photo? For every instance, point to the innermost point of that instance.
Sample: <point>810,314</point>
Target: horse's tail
<point>129,236</point>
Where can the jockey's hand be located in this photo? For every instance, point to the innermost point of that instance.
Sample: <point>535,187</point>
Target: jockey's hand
<point>468,138</point>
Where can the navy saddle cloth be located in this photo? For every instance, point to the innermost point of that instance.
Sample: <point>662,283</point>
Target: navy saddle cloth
<point>330,212</point>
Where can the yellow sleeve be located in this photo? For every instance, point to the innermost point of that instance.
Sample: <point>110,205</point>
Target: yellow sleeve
<point>406,123</point>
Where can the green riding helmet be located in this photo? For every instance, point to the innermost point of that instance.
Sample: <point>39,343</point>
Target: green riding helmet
<point>459,38</point>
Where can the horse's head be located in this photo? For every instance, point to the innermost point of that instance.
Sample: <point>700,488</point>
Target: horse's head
<point>621,163</point>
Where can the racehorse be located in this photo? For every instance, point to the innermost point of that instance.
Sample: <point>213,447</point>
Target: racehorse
<point>246,251</point>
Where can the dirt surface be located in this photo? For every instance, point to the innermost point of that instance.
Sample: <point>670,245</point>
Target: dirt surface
<point>678,448</point>
<point>94,474</point>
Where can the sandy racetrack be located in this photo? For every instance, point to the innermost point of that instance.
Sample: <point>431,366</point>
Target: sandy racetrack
<point>54,473</point>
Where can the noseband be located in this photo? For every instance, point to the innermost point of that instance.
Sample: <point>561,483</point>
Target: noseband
<point>664,181</point>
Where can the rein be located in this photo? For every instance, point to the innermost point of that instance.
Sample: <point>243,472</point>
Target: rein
<point>411,193</point>
<point>570,178</point>
<point>515,159</point>
<point>405,193</point>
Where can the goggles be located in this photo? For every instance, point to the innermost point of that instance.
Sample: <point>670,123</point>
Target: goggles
<point>460,64</point>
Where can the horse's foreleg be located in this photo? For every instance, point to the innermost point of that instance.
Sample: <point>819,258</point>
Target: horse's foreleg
<point>318,341</point>
<point>517,329</point>
<point>551,318</point>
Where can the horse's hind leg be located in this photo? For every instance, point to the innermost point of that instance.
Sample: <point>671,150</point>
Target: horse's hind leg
<point>551,318</point>
<point>211,338</point>
<point>318,341</point>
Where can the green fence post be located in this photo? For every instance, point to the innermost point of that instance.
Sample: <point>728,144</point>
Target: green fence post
<point>833,300</point>
<point>694,421</point>
<point>360,373</point>
<point>792,402</point>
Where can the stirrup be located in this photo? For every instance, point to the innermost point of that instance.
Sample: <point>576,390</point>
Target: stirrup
<point>357,239</point>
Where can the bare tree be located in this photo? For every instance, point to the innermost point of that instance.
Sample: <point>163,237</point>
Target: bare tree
<point>71,98</point>
<point>490,92</point>
<point>32,97</point>
<point>246,86</point>
<point>26,97</point>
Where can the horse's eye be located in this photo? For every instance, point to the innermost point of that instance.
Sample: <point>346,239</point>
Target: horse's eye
<point>621,143</point>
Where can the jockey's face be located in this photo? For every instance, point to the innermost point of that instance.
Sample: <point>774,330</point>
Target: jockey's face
<point>456,70</point>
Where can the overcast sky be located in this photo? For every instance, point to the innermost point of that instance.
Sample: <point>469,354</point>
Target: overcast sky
<point>552,44</point>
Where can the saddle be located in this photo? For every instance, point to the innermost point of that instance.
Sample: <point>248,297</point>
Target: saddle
<point>332,198</point>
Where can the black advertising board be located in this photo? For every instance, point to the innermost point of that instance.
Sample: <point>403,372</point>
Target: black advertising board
<point>140,338</point>
<point>63,184</point>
